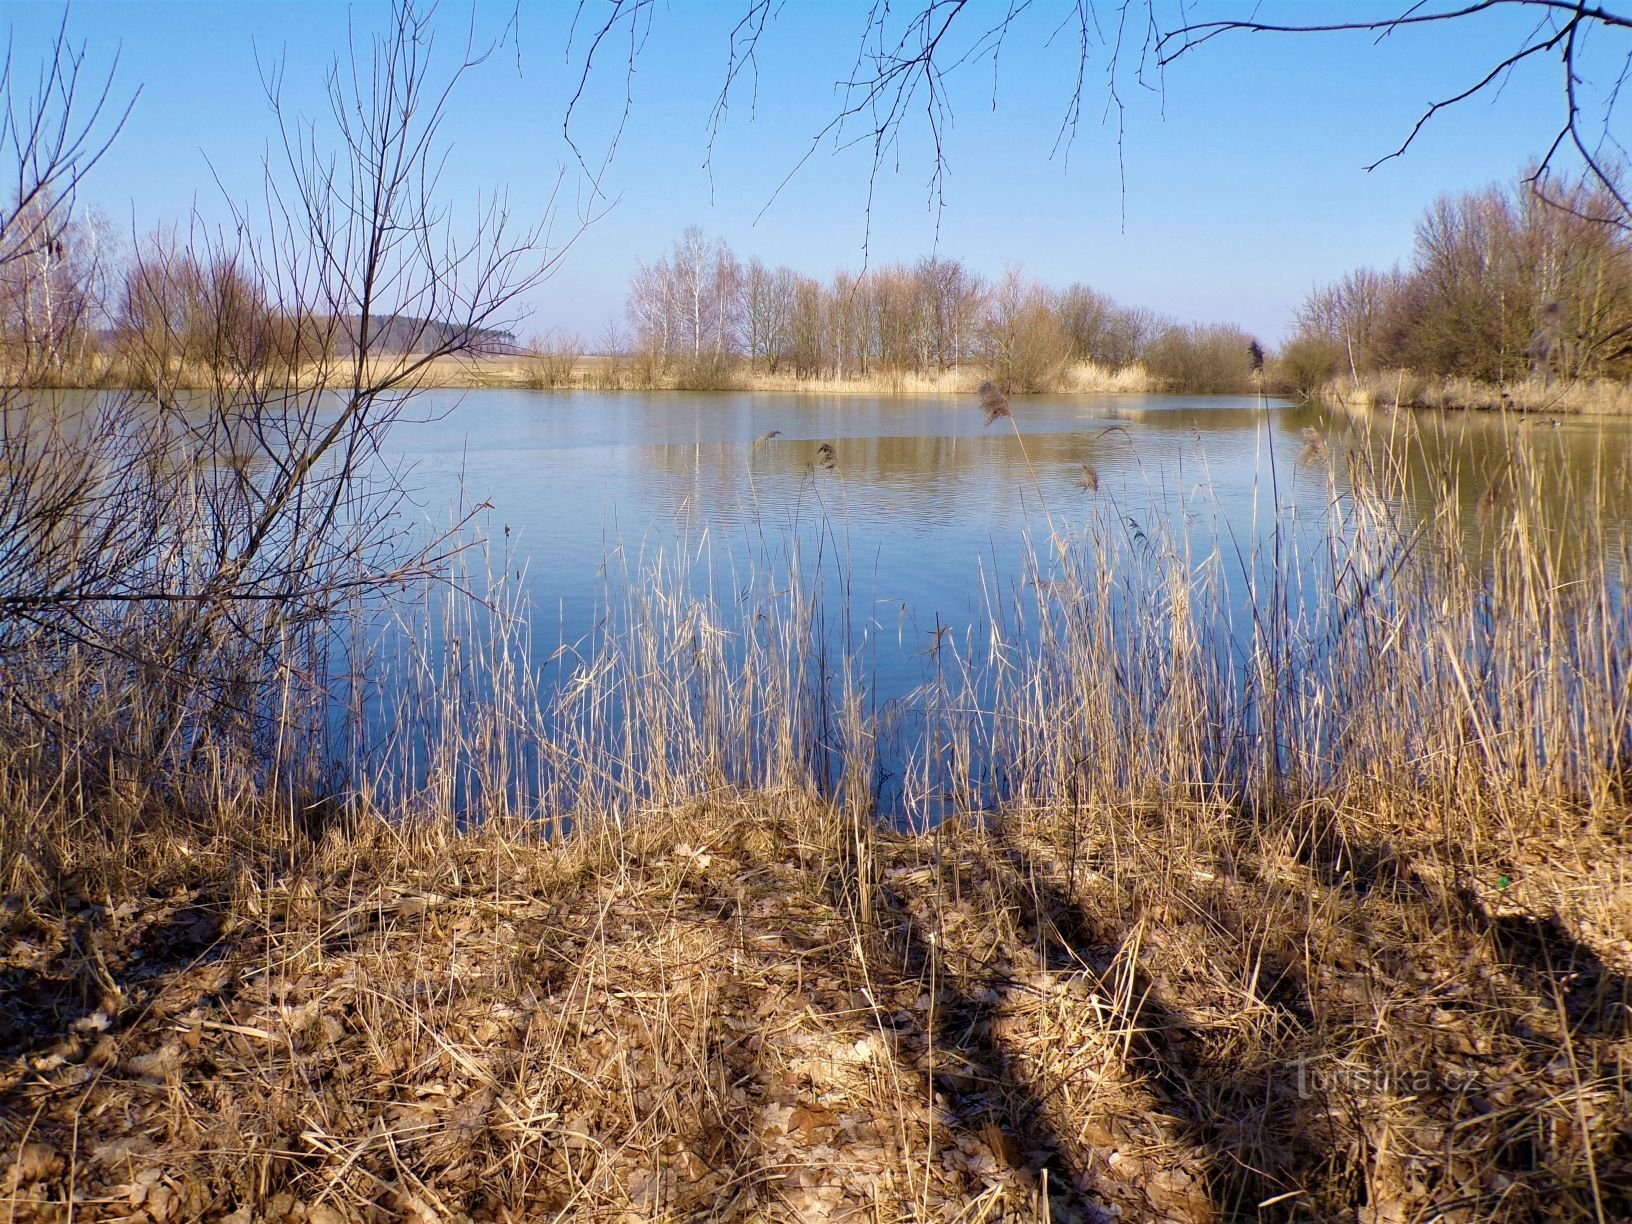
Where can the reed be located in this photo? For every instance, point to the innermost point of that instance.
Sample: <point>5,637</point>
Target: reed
<point>1535,395</point>
<point>559,366</point>
<point>1284,882</point>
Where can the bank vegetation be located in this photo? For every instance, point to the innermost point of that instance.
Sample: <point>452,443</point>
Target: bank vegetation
<point>1321,916</point>
<point>1302,895</point>
<point>1515,298</point>
<point>701,317</point>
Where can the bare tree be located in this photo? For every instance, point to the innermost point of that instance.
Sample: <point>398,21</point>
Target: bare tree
<point>1204,358</point>
<point>191,552</point>
<point>1086,315</point>
<point>52,293</point>
<point>652,308</point>
<point>1502,283</point>
<point>807,329</point>
<point>957,297</point>
<point>51,260</point>
<point>899,318</point>
<point>1352,314</point>
<point>161,314</point>
<point>849,340</point>
<point>767,311</point>
<point>1021,340</point>
<point>909,59</point>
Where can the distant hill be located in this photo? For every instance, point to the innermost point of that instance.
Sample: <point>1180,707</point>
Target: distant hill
<point>390,334</point>
<point>413,334</point>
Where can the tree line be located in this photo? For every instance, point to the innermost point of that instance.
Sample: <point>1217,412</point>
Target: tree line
<point>75,311</point>
<point>176,571</point>
<point>1503,284</point>
<point>701,313</point>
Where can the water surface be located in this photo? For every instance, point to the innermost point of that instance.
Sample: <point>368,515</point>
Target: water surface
<point>927,509</point>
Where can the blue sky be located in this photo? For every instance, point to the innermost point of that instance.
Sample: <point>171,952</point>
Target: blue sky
<point>1243,182</point>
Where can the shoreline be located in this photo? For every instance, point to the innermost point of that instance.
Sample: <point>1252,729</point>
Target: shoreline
<point>1335,945</point>
<point>1530,398</point>
<point>1370,393</point>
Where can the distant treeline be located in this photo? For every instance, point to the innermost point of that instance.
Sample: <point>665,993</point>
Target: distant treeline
<point>701,314</point>
<point>70,312</point>
<point>1529,281</point>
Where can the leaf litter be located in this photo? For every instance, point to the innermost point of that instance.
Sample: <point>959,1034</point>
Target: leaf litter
<point>690,1019</point>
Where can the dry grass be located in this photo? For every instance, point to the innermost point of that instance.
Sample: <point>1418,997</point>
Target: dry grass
<point>1330,919</point>
<point>566,370</point>
<point>1090,378</point>
<point>1593,397</point>
<point>629,374</point>
<point>1045,1017</point>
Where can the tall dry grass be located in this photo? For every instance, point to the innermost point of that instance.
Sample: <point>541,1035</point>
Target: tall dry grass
<point>558,368</point>
<point>1289,881</point>
<point>1405,389</point>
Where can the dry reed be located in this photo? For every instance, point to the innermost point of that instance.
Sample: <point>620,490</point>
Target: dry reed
<point>1300,896</point>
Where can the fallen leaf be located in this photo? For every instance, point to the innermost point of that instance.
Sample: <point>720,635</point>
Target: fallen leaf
<point>33,1162</point>
<point>1003,1145</point>
<point>807,1119</point>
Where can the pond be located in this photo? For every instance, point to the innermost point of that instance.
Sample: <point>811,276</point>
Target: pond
<point>918,526</point>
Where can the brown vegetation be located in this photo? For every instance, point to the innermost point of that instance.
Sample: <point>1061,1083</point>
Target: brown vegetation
<point>1539,396</point>
<point>622,372</point>
<point>1324,917</point>
<point>1340,934</point>
<point>1517,298</point>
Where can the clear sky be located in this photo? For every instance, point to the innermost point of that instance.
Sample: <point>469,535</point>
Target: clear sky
<point>1243,182</point>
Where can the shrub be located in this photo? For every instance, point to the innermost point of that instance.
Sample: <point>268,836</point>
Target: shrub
<point>1308,363</point>
<point>1202,359</point>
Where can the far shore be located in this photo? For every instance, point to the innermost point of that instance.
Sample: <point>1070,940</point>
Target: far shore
<point>619,373</point>
<point>1375,391</point>
<point>1397,389</point>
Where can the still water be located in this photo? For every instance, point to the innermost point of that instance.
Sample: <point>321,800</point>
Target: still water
<point>917,524</point>
<point>921,512</point>
<point>925,509</point>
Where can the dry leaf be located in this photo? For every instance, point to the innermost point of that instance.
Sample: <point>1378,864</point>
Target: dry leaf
<point>34,1162</point>
<point>807,1119</point>
<point>1003,1145</point>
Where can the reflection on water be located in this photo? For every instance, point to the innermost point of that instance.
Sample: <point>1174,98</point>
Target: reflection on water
<point>923,524</point>
<point>1574,476</point>
<point>919,496</point>
<point>922,529</point>
<point>923,503</point>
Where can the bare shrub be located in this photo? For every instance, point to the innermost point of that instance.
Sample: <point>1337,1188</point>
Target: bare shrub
<point>174,566</point>
<point>1022,342</point>
<point>1202,359</point>
<point>1307,363</point>
<point>552,361</point>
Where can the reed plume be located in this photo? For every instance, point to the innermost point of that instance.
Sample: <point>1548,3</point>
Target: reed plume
<point>1314,446</point>
<point>994,403</point>
<point>996,407</point>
